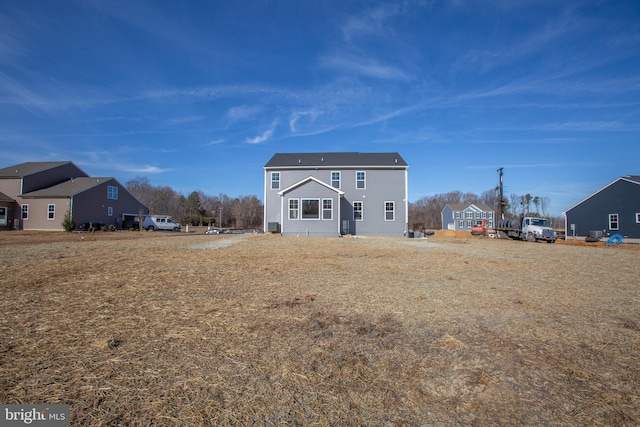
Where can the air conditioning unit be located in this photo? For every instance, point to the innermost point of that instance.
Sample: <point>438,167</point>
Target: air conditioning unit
<point>273,227</point>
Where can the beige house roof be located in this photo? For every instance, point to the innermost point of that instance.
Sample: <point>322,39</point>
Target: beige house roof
<point>28,168</point>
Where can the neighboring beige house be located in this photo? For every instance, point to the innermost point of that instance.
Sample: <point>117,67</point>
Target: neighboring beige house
<point>37,195</point>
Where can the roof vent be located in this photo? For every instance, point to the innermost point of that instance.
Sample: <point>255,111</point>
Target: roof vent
<point>322,159</point>
<point>396,161</point>
<point>299,161</point>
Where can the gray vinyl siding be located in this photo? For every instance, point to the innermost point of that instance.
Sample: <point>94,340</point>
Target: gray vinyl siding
<point>382,185</point>
<point>310,227</point>
<point>621,197</point>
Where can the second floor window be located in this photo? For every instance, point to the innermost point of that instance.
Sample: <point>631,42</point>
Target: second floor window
<point>275,180</point>
<point>361,180</point>
<point>335,179</point>
<point>112,192</point>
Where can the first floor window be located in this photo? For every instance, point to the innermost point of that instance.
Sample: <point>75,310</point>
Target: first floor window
<point>110,211</point>
<point>357,211</point>
<point>468,224</point>
<point>389,211</point>
<point>112,192</point>
<point>3,215</point>
<point>613,222</point>
<point>51,211</point>
<point>327,208</point>
<point>275,180</point>
<point>460,224</point>
<point>310,208</point>
<point>293,208</point>
<point>638,218</point>
<point>25,211</point>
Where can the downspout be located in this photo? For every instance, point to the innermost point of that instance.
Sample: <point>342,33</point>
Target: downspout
<point>406,201</point>
<point>264,206</point>
<point>281,214</point>
<point>339,216</point>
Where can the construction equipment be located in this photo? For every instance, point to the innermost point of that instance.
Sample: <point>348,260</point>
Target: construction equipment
<point>480,229</point>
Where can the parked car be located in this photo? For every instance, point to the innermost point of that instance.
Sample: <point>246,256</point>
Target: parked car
<point>160,222</point>
<point>212,231</point>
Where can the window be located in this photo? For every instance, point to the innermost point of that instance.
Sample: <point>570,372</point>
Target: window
<point>361,180</point>
<point>310,208</point>
<point>3,215</point>
<point>25,211</point>
<point>460,224</point>
<point>468,224</point>
<point>335,179</point>
<point>478,215</point>
<point>613,221</point>
<point>112,192</point>
<point>110,211</point>
<point>51,212</point>
<point>638,218</point>
<point>275,180</point>
<point>489,215</point>
<point>484,215</point>
<point>294,209</point>
<point>468,215</point>
<point>357,211</point>
<point>389,211</point>
<point>458,215</point>
<point>327,208</point>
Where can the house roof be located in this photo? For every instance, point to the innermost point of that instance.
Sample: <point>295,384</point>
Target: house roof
<point>308,179</point>
<point>463,206</point>
<point>335,160</point>
<point>635,179</point>
<point>5,198</point>
<point>29,168</point>
<point>68,188</point>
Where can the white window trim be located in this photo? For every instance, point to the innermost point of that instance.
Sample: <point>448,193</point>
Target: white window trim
<point>272,180</point>
<point>361,210</point>
<point>393,211</point>
<point>319,209</point>
<point>112,191</point>
<point>617,221</point>
<point>638,218</point>
<point>339,179</point>
<point>109,210</point>
<point>322,209</point>
<point>363,180</point>
<point>291,209</point>
<point>49,206</point>
<point>24,211</point>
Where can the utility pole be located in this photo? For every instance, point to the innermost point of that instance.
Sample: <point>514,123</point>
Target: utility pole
<point>501,201</point>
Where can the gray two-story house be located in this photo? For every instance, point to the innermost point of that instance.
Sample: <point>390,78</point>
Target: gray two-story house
<point>463,216</point>
<point>332,194</point>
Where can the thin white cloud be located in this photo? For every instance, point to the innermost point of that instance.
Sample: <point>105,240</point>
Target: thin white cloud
<point>182,120</point>
<point>293,119</point>
<point>214,142</point>
<point>242,112</point>
<point>264,136</point>
<point>349,63</point>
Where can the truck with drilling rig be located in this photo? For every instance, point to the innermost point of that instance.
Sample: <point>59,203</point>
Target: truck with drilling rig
<point>529,228</point>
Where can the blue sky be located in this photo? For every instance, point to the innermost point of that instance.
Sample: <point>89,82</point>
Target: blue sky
<point>199,95</point>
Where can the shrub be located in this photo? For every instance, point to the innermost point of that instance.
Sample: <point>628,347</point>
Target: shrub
<point>68,223</point>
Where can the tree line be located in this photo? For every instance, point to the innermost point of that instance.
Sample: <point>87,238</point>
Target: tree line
<point>198,208</point>
<point>247,211</point>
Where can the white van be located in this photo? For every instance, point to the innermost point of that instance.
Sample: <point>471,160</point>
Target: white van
<point>160,222</point>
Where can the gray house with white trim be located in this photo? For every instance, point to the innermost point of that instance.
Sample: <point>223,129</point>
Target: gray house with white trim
<point>614,209</point>
<point>332,194</point>
<point>463,216</point>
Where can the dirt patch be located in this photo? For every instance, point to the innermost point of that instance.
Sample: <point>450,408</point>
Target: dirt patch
<point>139,329</point>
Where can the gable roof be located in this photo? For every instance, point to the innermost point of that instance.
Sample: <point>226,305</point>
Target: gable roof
<point>307,179</point>
<point>68,188</point>
<point>335,160</point>
<point>634,179</point>
<point>463,206</point>
<point>29,168</point>
<point>5,198</point>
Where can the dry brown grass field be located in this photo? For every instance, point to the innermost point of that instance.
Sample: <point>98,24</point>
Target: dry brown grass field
<point>189,329</point>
